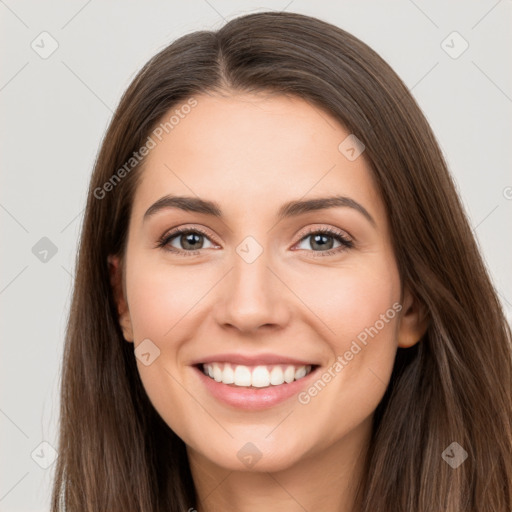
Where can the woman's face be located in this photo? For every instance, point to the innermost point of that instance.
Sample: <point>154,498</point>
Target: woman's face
<point>259,284</point>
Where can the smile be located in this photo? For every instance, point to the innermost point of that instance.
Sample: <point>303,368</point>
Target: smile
<point>259,376</point>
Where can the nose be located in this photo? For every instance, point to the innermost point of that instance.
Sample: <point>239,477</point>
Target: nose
<point>252,296</point>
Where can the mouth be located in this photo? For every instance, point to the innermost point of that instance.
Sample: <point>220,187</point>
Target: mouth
<point>258,376</point>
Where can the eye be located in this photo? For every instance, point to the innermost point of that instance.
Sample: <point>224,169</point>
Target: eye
<point>191,241</point>
<point>324,240</point>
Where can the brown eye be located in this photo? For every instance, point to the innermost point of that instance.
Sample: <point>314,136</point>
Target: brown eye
<point>191,240</point>
<point>323,241</point>
<point>185,241</point>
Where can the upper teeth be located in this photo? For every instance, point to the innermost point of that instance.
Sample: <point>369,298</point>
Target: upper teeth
<point>257,376</point>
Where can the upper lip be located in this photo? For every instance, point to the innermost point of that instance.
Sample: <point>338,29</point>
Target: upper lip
<point>252,360</point>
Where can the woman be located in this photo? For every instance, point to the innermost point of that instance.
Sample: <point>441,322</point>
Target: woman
<point>279,303</point>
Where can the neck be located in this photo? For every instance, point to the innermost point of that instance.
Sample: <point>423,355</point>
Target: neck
<point>326,480</point>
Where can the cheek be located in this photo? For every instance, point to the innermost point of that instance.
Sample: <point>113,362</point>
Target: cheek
<point>348,300</point>
<point>161,302</point>
<point>159,298</point>
<point>357,310</point>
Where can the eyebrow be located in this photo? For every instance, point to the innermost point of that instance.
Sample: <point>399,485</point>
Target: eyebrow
<point>287,210</point>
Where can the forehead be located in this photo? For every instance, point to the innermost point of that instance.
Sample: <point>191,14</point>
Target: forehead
<point>253,149</point>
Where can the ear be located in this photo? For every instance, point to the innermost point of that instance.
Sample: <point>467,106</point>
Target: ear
<point>116,281</point>
<point>413,322</point>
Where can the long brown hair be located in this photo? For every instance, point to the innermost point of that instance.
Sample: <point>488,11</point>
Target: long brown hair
<point>454,386</point>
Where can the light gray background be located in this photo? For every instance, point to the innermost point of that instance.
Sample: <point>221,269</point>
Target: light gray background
<point>55,112</point>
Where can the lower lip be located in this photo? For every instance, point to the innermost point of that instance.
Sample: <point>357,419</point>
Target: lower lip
<point>253,399</point>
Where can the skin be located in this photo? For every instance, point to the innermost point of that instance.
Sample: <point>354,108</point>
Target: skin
<point>251,153</point>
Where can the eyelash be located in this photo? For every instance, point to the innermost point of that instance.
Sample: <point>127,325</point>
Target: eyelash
<point>346,243</point>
